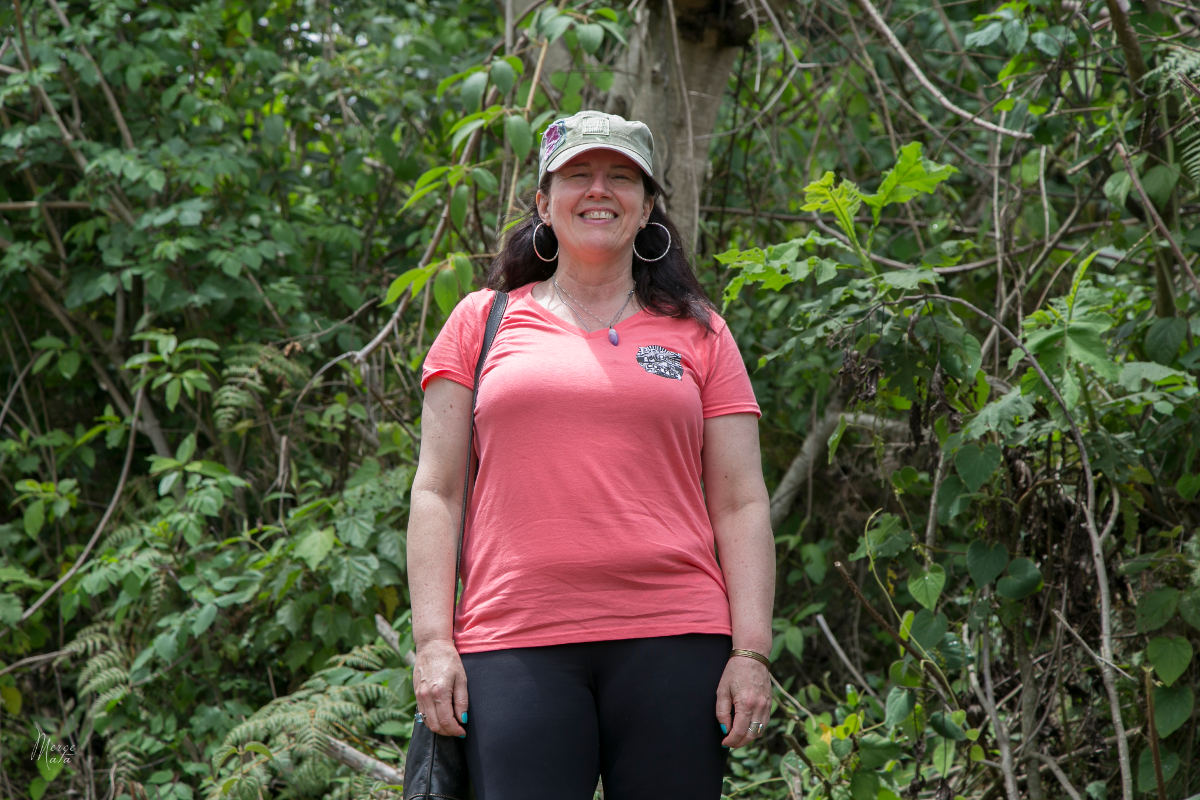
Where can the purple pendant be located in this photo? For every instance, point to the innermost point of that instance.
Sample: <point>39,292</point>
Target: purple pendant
<point>612,337</point>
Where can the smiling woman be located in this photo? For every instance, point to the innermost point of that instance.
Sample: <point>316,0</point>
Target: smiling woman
<point>617,561</point>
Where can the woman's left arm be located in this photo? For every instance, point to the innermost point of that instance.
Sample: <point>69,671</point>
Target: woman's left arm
<point>739,508</point>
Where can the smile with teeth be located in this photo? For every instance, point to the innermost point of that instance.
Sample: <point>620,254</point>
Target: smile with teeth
<point>598,215</point>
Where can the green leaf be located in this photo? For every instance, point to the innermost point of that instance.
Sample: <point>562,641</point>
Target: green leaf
<point>1159,181</point>
<point>912,174</point>
<point>503,76</point>
<point>1155,609</point>
<point>591,36</point>
<point>1164,338</point>
<point>1117,189</point>
<point>472,90</point>
<point>34,517</point>
<point>1189,607</point>
<point>900,703</point>
<point>1170,657</point>
<point>1147,780</point>
<point>518,134</point>
<point>314,546</point>
<point>929,629</point>
<point>986,561</point>
<point>458,205</point>
<point>1173,706</point>
<point>943,725</point>
<point>926,587</point>
<point>445,288</point>
<point>976,465</point>
<point>10,609</point>
<point>793,640</point>
<point>49,766</point>
<point>204,619</point>
<point>982,38</point>
<point>1023,579</point>
<point>259,748</point>
<point>875,750</point>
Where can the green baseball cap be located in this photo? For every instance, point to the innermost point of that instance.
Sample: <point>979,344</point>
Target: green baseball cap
<point>594,130</point>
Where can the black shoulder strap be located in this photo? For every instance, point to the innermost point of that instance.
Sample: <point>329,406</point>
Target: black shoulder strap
<point>499,303</point>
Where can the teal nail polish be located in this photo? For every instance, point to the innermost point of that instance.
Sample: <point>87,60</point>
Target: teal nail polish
<point>464,718</point>
<point>463,736</point>
<point>724,730</point>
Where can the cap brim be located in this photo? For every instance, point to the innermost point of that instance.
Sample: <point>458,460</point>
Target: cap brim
<point>565,155</point>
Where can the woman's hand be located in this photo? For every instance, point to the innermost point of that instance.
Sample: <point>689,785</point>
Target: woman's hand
<point>440,684</point>
<point>743,698</point>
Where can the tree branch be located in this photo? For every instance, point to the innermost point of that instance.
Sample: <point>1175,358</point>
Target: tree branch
<point>942,100</point>
<point>361,762</point>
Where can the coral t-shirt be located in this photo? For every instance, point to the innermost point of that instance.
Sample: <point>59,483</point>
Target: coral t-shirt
<point>587,520</point>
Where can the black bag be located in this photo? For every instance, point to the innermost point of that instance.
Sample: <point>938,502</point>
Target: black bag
<point>435,767</point>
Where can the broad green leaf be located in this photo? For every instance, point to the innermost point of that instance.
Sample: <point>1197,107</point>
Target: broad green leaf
<point>503,76</point>
<point>985,562</point>
<point>943,755</point>
<point>10,609</point>
<point>985,36</point>
<point>1002,415</point>
<point>458,205</point>
<point>416,278</point>
<point>875,750</point>
<point>944,725</point>
<point>976,464</point>
<point>1155,609</point>
<point>518,134</point>
<point>259,748</point>
<point>1173,706</point>
<point>953,498</point>
<point>49,766</point>
<point>472,90</point>
<point>1188,487</point>
<point>485,180</point>
<point>34,517</point>
<point>864,785</point>
<point>1164,338</point>
<point>1117,189</point>
<point>10,699</point>
<point>1147,780</point>
<point>591,36</point>
<point>1023,579</point>
<point>1189,607</point>
<point>928,629</point>
<point>900,703</point>
<point>1170,657</point>
<point>1159,181</point>
<point>926,587</point>
<point>445,289</point>
<point>204,619</point>
<point>912,174</point>
<point>793,640</point>
<point>314,546</point>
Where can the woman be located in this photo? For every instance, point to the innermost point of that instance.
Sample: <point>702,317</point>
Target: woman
<point>618,563</point>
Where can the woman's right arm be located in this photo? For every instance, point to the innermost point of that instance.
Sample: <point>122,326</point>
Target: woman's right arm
<point>433,524</point>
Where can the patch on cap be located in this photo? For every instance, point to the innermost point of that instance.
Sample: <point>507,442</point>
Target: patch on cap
<point>594,126</point>
<point>554,136</point>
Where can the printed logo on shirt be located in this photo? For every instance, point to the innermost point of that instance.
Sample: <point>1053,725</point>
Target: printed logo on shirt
<point>658,360</point>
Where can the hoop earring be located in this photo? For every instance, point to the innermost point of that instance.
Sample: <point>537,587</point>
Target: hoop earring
<point>664,252</point>
<point>533,239</point>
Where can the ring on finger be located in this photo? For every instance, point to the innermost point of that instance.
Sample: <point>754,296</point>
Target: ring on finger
<point>755,728</point>
<point>419,718</point>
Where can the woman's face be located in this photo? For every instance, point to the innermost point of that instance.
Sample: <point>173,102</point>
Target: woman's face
<point>596,205</point>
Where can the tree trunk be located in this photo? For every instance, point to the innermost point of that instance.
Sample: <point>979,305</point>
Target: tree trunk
<point>673,77</point>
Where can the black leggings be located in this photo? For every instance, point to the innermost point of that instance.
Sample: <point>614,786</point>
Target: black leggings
<point>544,722</point>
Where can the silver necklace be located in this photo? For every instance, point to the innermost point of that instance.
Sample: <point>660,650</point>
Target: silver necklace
<point>563,295</point>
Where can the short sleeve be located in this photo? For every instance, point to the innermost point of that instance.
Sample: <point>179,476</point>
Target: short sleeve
<point>455,350</point>
<point>726,388</point>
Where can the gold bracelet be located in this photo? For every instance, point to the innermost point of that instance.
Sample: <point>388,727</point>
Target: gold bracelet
<point>759,657</point>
